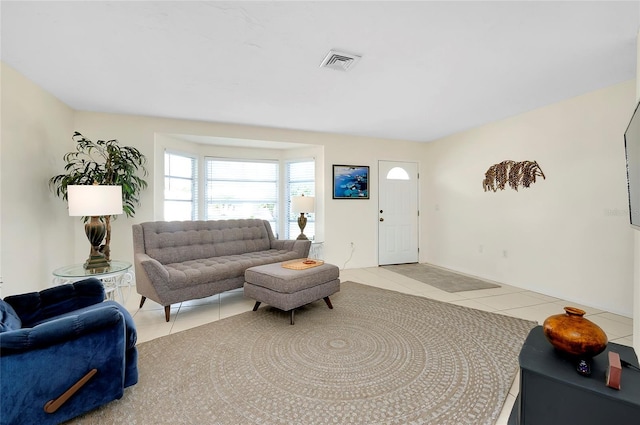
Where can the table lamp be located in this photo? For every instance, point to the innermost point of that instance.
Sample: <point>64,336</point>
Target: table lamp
<point>95,201</point>
<point>302,204</point>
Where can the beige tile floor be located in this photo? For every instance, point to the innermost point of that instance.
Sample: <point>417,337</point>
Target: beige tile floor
<point>504,300</point>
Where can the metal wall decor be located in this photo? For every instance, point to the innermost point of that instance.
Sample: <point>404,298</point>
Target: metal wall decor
<point>513,173</point>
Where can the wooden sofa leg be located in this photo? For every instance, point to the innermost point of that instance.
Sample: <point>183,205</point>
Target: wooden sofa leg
<point>167,312</point>
<point>52,406</point>
<point>328,301</point>
<point>142,300</point>
<point>256,305</point>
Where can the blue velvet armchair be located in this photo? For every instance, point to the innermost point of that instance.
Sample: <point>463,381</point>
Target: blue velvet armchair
<point>63,351</point>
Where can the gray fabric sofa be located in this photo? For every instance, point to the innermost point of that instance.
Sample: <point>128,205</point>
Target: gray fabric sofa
<point>177,261</point>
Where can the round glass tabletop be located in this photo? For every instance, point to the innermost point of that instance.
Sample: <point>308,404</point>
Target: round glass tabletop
<point>78,270</point>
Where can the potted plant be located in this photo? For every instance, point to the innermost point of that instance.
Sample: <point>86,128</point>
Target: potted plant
<point>106,163</point>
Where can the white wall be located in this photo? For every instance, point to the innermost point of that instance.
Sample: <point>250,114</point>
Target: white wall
<point>636,235</point>
<point>344,220</point>
<point>36,229</point>
<point>567,236</point>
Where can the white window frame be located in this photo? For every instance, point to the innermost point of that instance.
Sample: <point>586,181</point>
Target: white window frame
<point>283,208</point>
<point>248,178</point>
<point>195,210</point>
<point>291,229</point>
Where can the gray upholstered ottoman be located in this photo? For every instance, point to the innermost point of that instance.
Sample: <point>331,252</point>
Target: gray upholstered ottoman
<point>289,289</point>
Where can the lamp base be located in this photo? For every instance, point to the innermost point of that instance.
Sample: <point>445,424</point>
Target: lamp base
<point>302,222</point>
<point>95,230</point>
<point>97,263</point>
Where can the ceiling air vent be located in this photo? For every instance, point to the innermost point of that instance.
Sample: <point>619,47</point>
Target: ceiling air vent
<point>340,61</point>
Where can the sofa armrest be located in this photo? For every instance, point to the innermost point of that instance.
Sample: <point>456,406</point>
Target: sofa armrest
<point>152,279</point>
<point>299,246</point>
<point>34,307</point>
<point>154,269</point>
<point>61,330</point>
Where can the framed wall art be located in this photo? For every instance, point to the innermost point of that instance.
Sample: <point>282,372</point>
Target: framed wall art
<point>350,182</point>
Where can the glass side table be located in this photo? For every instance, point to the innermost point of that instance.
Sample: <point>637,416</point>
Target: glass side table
<point>114,277</point>
<point>315,251</point>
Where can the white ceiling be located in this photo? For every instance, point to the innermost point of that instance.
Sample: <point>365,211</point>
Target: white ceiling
<point>428,69</point>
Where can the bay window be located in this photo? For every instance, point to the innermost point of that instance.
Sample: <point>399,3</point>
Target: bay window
<point>238,188</point>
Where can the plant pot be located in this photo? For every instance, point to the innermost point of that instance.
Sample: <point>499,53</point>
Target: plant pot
<point>574,335</point>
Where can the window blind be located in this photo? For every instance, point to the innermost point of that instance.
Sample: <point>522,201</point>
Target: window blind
<point>180,187</point>
<point>241,189</point>
<point>300,177</point>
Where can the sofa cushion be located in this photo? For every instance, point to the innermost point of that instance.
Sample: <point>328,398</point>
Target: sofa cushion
<point>35,307</point>
<point>9,320</point>
<point>288,281</point>
<point>179,241</point>
<point>206,270</point>
<point>131,333</point>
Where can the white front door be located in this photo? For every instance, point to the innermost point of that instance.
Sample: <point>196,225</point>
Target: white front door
<point>397,212</point>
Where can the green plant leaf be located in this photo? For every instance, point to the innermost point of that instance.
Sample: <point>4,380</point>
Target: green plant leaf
<point>103,162</point>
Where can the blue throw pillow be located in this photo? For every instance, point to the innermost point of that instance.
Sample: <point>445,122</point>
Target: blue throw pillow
<point>9,320</point>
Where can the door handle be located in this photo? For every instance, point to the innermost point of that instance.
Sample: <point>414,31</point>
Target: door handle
<point>381,219</point>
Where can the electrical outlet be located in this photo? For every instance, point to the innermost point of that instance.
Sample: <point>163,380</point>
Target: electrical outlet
<point>505,253</point>
<point>351,243</point>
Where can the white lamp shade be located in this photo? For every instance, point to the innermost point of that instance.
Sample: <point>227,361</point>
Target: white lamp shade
<point>94,200</point>
<point>303,204</point>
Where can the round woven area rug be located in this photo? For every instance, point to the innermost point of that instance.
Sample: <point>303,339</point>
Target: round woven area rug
<point>379,357</point>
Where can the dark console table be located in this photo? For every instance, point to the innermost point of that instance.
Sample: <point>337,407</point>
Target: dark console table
<point>553,393</point>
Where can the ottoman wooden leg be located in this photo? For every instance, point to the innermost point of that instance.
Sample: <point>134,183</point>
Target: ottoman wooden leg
<point>292,311</point>
<point>328,301</point>
<point>255,307</point>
